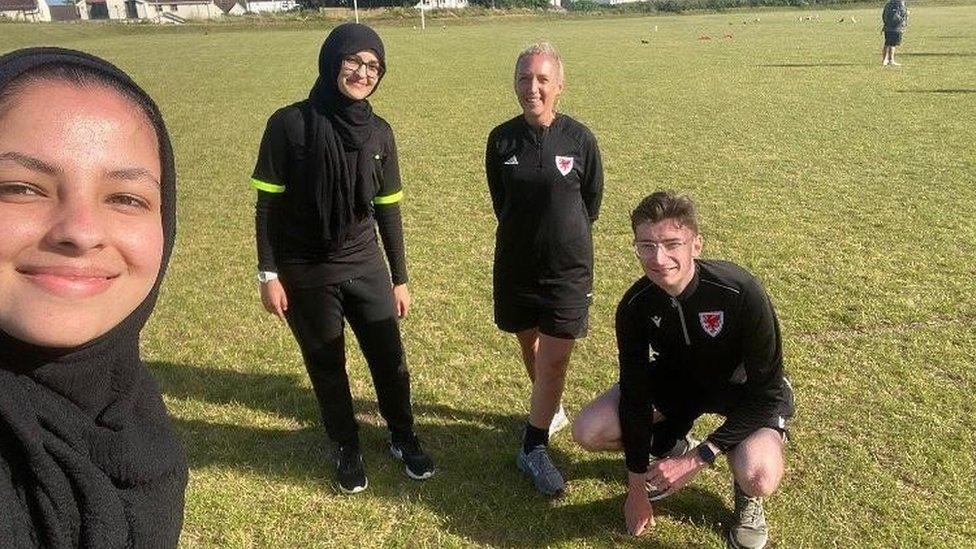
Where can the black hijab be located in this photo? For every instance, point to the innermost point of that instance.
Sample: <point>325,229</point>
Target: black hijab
<point>337,130</point>
<point>88,457</point>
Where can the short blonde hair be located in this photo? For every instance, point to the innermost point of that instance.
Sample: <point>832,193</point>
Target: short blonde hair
<point>541,48</point>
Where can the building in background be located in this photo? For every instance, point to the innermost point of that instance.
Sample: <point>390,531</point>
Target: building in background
<point>441,4</point>
<point>25,10</point>
<point>265,6</point>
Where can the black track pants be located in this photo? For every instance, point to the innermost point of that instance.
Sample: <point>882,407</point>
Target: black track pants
<point>315,316</point>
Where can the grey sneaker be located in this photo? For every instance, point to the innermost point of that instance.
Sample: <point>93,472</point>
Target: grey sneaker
<point>538,465</point>
<point>749,531</point>
<point>682,447</point>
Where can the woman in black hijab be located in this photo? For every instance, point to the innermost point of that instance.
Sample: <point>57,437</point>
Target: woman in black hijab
<point>327,177</point>
<point>87,212</point>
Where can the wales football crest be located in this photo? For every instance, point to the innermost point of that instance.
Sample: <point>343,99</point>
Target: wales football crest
<point>712,322</point>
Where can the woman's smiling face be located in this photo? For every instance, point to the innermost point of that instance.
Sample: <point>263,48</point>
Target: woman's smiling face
<point>80,211</point>
<point>538,84</point>
<point>358,75</point>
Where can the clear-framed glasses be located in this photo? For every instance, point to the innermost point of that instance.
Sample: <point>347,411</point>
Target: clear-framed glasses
<point>353,62</point>
<point>648,249</point>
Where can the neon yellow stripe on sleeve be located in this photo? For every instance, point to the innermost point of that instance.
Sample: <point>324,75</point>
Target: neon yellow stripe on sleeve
<point>388,199</point>
<point>267,187</point>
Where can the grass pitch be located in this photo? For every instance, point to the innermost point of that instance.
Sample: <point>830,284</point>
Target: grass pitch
<point>847,187</point>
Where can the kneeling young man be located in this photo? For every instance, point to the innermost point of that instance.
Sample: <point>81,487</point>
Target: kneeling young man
<point>694,336</point>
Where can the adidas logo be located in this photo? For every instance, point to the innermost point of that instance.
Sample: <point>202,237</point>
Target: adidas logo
<point>512,161</point>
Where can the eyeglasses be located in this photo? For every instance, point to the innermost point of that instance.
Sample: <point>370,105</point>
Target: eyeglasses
<point>353,63</point>
<point>647,249</point>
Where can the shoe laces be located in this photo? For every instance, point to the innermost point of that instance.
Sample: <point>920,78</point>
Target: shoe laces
<point>750,509</point>
<point>539,457</point>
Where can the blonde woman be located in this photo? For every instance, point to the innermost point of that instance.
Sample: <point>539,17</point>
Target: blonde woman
<point>546,182</point>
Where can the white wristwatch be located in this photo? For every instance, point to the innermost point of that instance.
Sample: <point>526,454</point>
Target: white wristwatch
<point>266,276</point>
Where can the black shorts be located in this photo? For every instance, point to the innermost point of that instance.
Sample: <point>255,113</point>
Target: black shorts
<point>562,323</point>
<point>779,421</point>
<point>892,38</point>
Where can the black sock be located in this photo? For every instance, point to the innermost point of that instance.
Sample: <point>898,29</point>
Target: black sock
<point>351,444</point>
<point>401,437</point>
<point>534,436</point>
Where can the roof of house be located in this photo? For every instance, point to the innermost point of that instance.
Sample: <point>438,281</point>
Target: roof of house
<point>174,2</point>
<point>225,5</point>
<point>18,5</point>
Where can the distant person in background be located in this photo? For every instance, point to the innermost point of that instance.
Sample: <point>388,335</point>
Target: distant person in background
<point>546,182</point>
<point>894,19</point>
<point>88,457</point>
<point>327,176</point>
<point>694,336</point>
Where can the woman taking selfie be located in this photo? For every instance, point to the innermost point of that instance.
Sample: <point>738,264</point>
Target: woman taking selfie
<point>87,214</point>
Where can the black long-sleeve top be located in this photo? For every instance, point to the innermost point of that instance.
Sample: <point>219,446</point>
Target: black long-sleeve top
<point>715,348</point>
<point>546,187</point>
<point>287,225</point>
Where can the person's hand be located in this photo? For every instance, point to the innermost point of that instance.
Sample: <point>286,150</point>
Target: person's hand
<point>273,298</point>
<point>637,510</point>
<point>673,473</point>
<point>401,300</point>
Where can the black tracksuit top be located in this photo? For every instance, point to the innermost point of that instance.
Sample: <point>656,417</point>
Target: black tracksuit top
<point>715,348</point>
<point>546,187</point>
<point>288,225</point>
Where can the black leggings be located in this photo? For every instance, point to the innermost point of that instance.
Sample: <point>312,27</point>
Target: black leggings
<point>315,316</point>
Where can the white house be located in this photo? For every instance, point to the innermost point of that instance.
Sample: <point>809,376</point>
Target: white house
<point>159,11</point>
<point>163,11</point>
<point>25,10</point>
<point>441,4</point>
<point>259,6</point>
<point>101,9</point>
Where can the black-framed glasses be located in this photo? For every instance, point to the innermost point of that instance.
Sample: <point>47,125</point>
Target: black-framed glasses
<point>647,248</point>
<point>352,63</point>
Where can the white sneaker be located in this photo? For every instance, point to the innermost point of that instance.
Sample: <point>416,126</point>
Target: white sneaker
<point>885,63</point>
<point>894,63</point>
<point>559,421</point>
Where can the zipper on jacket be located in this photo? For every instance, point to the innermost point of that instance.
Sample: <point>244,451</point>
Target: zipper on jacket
<point>681,315</point>
<point>539,138</point>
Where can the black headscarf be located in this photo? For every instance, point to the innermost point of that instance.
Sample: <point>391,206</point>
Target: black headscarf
<point>337,129</point>
<point>88,457</point>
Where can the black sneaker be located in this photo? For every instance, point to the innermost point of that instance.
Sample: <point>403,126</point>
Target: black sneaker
<point>419,466</point>
<point>350,472</point>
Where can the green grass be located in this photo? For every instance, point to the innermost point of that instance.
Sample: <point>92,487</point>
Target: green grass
<point>848,188</point>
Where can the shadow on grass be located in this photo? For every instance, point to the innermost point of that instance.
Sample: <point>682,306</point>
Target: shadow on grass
<point>946,91</point>
<point>939,54</point>
<point>273,393</point>
<point>478,492</point>
<point>809,65</point>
